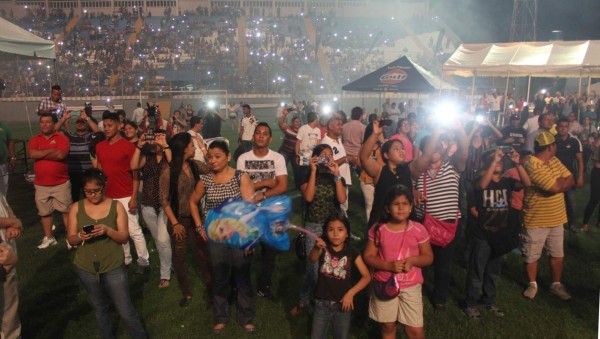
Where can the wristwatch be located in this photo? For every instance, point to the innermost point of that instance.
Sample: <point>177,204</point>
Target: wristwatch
<point>338,178</point>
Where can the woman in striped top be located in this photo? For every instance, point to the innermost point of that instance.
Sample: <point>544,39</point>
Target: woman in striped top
<point>442,196</point>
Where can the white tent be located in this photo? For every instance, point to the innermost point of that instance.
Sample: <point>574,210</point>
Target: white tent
<point>14,40</point>
<point>572,59</point>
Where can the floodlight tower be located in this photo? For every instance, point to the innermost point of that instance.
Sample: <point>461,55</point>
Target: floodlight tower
<point>524,20</point>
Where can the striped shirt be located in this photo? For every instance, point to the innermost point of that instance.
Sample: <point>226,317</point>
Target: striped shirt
<point>79,152</point>
<point>542,208</point>
<point>441,193</point>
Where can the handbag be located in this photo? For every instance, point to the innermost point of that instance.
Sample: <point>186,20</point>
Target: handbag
<point>386,290</point>
<point>441,233</point>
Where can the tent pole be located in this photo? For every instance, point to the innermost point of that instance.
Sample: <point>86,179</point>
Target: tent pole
<point>363,99</point>
<point>580,76</point>
<point>342,101</point>
<point>528,87</point>
<point>589,84</point>
<point>26,95</point>
<point>505,97</point>
<point>473,88</point>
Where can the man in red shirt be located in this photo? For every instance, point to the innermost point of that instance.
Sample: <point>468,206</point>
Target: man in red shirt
<point>52,185</point>
<point>114,156</point>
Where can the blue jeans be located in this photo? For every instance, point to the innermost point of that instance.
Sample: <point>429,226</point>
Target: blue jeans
<point>482,274</point>
<point>326,312</point>
<point>310,276</point>
<point>112,287</point>
<point>226,261</point>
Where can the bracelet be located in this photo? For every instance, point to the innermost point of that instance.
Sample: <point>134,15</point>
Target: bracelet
<point>13,158</point>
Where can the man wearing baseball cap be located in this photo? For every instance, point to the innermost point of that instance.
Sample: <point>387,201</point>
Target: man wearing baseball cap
<point>545,214</point>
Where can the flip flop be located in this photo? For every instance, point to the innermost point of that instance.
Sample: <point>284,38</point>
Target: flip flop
<point>218,328</point>
<point>249,328</point>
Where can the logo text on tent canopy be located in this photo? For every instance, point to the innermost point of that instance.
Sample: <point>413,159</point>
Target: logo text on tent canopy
<point>393,77</point>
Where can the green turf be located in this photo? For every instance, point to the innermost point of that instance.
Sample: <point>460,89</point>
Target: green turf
<point>53,305</point>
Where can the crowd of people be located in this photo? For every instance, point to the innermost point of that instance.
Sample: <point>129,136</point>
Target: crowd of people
<point>108,55</point>
<point>428,183</point>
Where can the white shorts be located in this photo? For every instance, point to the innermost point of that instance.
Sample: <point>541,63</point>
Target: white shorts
<point>406,308</point>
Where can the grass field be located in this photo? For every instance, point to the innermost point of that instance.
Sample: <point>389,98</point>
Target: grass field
<point>54,305</point>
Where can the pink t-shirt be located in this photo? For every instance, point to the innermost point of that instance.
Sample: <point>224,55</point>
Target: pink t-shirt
<point>516,198</point>
<point>396,245</point>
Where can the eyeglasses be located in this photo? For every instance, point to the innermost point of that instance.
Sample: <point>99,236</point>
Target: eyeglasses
<point>93,192</point>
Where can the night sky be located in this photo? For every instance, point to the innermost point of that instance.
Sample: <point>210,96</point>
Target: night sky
<point>479,21</point>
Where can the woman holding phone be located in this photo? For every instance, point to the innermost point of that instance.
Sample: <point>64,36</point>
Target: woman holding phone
<point>98,227</point>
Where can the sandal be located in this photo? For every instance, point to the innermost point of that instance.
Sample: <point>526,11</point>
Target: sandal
<point>473,313</point>
<point>585,228</point>
<point>249,328</point>
<point>296,310</point>
<point>218,328</point>
<point>164,283</point>
<point>497,311</point>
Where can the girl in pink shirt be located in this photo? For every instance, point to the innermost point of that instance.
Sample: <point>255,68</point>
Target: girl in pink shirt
<point>399,247</point>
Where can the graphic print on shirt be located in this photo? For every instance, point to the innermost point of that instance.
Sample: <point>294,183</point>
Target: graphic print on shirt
<point>494,200</point>
<point>334,267</point>
<point>260,170</point>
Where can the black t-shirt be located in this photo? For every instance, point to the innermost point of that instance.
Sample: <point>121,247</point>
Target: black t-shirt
<point>492,204</point>
<point>516,133</point>
<point>388,179</point>
<point>566,152</point>
<point>335,273</point>
<point>212,126</point>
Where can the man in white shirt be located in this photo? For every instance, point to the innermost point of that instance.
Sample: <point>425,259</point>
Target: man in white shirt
<point>494,103</point>
<point>138,114</point>
<point>194,131</point>
<point>333,138</point>
<point>308,136</point>
<point>268,173</point>
<point>247,126</point>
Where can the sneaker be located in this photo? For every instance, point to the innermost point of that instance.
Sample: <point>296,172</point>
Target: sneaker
<point>530,291</point>
<point>497,311</point>
<point>473,313</point>
<point>46,242</point>
<point>559,291</point>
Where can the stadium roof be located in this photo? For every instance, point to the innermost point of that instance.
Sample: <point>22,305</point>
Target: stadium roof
<point>400,76</point>
<point>539,59</point>
<point>16,41</point>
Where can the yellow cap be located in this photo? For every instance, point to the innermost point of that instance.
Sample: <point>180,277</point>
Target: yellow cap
<point>544,139</point>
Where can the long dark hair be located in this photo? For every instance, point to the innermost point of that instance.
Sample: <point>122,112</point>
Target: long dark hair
<point>391,194</point>
<point>336,217</point>
<point>178,144</point>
